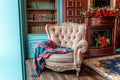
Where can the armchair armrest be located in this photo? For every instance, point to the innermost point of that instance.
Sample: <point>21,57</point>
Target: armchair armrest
<point>80,48</point>
<point>83,45</point>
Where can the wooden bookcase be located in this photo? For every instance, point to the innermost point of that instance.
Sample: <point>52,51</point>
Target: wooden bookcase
<point>39,13</point>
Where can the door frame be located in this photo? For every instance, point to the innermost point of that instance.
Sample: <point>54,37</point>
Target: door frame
<point>22,29</point>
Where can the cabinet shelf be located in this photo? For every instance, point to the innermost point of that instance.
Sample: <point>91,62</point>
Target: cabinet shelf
<point>40,13</point>
<point>36,9</point>
<point>41,21</point>
<point>102,25</point>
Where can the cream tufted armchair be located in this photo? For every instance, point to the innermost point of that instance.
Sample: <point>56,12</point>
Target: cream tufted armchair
<point>68,35</point>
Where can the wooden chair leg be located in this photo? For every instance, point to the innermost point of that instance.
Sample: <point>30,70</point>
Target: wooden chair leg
<point>77,71</point>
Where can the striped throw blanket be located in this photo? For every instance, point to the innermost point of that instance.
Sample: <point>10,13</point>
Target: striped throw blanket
<point>42,51</point>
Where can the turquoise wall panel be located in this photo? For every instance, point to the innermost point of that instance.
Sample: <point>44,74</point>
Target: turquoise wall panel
<point>118,50</point>
<point>10,46</point>
<point>59,11</point>
<point>32,40</point>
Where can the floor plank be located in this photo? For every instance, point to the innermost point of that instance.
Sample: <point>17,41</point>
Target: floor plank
<point>85,74</point>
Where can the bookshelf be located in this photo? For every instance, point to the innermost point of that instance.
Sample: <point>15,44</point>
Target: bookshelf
<point>39,13</point>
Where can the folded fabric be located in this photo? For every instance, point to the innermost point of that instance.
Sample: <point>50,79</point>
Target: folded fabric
<point>42,51</point>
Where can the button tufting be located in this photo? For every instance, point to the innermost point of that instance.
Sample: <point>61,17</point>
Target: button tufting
<point>60,31</point>
<point>69,37</point>
<point>74,37</point>
<point>65,42</point>
<point>56,35</point>
<point>62,36</point>
<point>53,29</point>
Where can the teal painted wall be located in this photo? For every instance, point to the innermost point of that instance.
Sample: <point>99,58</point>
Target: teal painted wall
<point>60,11</point>
<point>32,40</point>
<point>10,46</point>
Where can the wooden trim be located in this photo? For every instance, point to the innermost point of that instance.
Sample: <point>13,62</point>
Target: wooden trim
<point>63,12</point>
<point>112,3</point>
<point>22,30</point>
<point>33,9</point>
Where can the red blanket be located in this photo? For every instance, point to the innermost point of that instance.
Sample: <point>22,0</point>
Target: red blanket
<point>42,51</point>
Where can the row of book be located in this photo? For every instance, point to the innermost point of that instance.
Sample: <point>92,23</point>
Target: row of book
<point>41,5</point>
<point>36,29</point>
<point>42,17</point>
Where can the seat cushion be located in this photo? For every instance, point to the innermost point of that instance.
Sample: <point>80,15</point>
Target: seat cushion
<point>61,58</point>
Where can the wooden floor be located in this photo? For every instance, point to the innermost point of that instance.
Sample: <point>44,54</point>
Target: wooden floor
<point>85,74</point>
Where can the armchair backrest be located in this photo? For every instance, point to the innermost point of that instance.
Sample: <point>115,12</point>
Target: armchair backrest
<point>67,34</point>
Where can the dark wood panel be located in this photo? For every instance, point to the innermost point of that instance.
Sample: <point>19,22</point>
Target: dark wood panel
<point>78,20</point>
<point>101,52</point>
<point>77,13</point>
<point>118,4</point>
<point>70,13</point>
<point>96,29</point>
<point>72,8</point>
<point>70,3</point>
<point>70,19</point>
<point>118,25</point>
<point>78,4</point>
